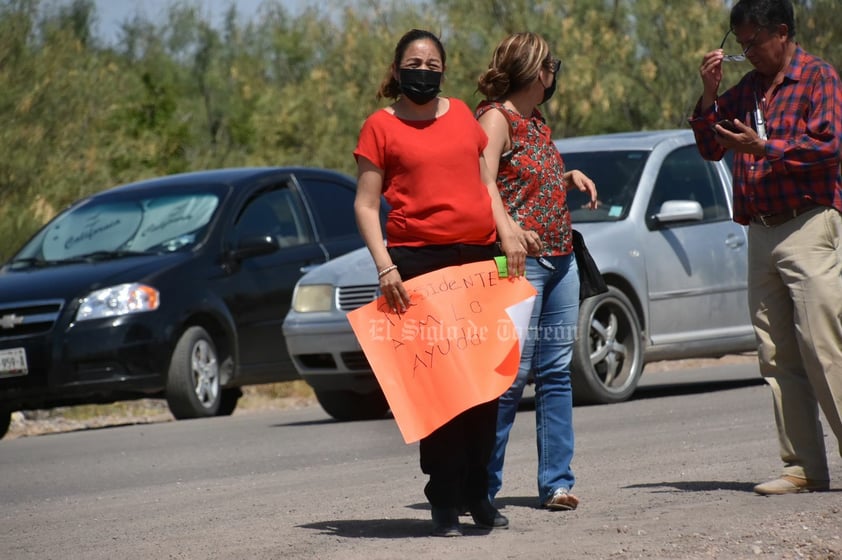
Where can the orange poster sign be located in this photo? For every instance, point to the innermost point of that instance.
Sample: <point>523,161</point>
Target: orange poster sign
<point>455,347</point>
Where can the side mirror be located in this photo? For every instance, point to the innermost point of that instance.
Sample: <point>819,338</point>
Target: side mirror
<point>254,246</point>
<point>679,211</point>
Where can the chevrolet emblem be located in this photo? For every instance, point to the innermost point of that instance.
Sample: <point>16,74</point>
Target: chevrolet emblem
<point>10,321</point>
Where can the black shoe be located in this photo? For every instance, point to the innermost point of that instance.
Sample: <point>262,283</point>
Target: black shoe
<point>446,522</point>
<point>486,516</point>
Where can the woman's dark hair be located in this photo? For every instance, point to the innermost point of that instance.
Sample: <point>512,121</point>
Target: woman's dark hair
<point>390,88</point>
<point>765,14</point>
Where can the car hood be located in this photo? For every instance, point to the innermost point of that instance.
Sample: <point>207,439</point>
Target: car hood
<point>612,245</point>
<point>600,239</point>
<point>351,269</point>
<point>616,249</point>
<point>77,280</point>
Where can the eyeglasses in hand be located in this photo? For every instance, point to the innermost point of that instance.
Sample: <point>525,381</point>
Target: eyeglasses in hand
<point>737,57</point>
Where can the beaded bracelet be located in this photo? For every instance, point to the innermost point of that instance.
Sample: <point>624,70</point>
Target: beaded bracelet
<point>387,270</point>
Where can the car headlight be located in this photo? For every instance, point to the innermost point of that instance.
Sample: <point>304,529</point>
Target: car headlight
<point>118,300</point>
<point>313,297</point>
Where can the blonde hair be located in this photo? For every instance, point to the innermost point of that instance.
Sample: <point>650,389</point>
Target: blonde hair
<point>514,65</point>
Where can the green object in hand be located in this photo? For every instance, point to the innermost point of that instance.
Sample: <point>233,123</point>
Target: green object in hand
<point>502,266</point>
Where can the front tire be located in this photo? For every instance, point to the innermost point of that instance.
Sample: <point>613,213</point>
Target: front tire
<point>5,421</point>
<point>193,389</point>
<point>608,353</point>
<point>350,406</point>
<point>228,401</point>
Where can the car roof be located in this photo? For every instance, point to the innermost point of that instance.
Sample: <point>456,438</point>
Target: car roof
<point>641,140</point>
<point>227,176</point>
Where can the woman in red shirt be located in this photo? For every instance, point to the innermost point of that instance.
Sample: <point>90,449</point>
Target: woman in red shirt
<point>424,154</point>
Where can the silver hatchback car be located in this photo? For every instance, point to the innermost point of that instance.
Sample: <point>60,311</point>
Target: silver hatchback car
<point>674,262</point>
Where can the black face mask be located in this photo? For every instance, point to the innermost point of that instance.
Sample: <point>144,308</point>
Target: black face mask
<point>420,86</point>
<point>548,91</point>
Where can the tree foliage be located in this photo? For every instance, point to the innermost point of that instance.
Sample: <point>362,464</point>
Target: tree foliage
<point>79,114</point>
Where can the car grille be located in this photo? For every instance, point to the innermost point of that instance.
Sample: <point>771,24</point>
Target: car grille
<point>27,318</point>
<point>317,361</point>
<point>355,361</point>
<point>353,297</point>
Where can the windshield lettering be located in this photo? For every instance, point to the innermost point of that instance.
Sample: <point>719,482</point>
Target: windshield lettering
<point>94,230</point>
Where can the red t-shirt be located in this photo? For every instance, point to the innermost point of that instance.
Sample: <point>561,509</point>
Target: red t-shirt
<point>431,177</point>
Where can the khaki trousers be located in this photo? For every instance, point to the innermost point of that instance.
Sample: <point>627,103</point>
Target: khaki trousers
<point>795,297</point>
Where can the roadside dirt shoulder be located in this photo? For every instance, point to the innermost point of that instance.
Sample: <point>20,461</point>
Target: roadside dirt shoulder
<point>147,411</point>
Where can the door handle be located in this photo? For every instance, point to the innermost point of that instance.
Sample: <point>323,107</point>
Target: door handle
<point>307,268</point>
<point>734,241</point>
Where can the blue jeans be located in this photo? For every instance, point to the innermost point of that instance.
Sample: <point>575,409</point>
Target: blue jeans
<point>547,352</point>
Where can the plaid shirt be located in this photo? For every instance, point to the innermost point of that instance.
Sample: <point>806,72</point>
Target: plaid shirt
<point>803,126</point>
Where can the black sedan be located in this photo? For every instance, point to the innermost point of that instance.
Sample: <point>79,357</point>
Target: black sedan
<point>173,287</point>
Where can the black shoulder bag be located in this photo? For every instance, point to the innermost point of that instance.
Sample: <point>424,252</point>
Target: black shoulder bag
<point>591,282</point>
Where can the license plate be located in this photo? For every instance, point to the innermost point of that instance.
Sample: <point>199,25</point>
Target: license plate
<point>13,362</point>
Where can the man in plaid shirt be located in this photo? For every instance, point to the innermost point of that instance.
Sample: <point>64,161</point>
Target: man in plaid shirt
<point>783,120</point>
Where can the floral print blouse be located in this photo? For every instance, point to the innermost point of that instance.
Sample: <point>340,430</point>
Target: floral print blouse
<point>530,179</point>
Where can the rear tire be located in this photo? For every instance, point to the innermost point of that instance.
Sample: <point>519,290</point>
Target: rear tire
<point>350,406</point>
<point>193,389</point>
<point>608,353</point>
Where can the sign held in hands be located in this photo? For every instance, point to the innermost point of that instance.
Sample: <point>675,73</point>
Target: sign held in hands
<point>456,346</point>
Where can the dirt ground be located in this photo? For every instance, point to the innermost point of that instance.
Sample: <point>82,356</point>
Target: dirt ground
<point>678,489</point>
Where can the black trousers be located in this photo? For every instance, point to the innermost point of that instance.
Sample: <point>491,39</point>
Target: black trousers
<point>456,455</point>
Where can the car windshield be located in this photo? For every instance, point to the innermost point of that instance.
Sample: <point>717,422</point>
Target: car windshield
<point>124,225</point>
<point>616,174</point>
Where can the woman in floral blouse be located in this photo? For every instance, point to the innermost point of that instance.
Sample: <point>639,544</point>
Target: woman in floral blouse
<point>532,182</point>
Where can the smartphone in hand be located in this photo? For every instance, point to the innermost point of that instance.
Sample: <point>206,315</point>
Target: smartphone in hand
<point>728,125</point>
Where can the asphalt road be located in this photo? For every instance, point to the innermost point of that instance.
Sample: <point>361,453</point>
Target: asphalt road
<point>667,475</point>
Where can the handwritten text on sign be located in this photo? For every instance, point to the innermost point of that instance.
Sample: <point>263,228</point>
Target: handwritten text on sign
<point>456,346</point>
